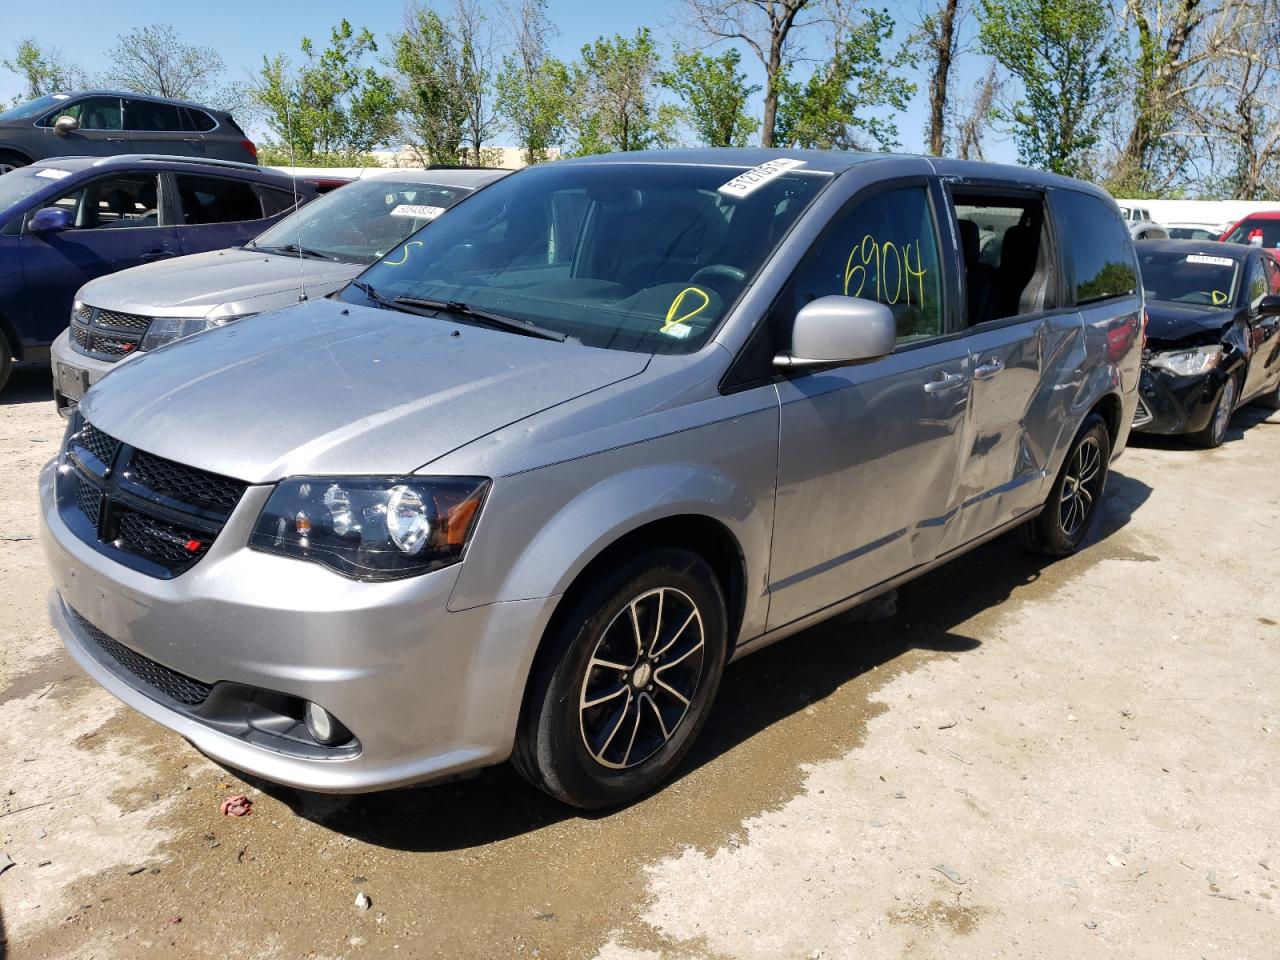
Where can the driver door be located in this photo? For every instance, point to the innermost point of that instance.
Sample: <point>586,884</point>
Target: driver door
<point>101,132</point>
<point>868,453</point>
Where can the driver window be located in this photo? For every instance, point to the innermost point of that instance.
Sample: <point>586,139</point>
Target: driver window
<point>1255,284</point>
<point>93,113</point>
<point>883,248</point>
<point>113,202</point>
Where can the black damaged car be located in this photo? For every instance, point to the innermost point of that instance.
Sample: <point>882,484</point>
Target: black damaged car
<point>1213,336</point>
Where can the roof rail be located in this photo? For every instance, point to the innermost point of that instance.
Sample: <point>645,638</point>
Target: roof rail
<point>168,158</point>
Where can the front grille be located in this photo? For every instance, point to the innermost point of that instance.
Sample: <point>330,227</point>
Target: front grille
<point>162,542</point>
<point>122,321</point>
<point>149,513</point>
<point>106,334</point>
<point>97,443</point>
<point>1142,415</point>
<point>169,683</point>
<point>185,484</point>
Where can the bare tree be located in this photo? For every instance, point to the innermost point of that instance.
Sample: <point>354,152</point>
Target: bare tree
<point>937,37</point>
<point>978,118</point>
<point>477,51</point>
<point>766,27</point>
<point>153,59</point>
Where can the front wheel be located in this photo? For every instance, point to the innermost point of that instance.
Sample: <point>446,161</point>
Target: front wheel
<point>1216,431</point>
<point>1073,502</point>
<point>11,161</point>
<point>627,683</point>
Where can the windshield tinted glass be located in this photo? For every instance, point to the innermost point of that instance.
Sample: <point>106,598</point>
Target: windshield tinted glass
<point>18,185</point>
<point>33,108</point>
<point>362,221</point>
<point>1196,278</point>
<point>630,256</point>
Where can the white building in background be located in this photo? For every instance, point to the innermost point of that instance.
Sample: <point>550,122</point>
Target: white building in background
<point>512,158</point>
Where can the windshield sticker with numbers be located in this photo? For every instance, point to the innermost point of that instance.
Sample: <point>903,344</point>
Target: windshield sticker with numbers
<point>1211,261</point>
<point>748,182</point>
<point>418,210</point>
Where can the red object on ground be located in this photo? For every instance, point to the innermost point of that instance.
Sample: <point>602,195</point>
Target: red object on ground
<point>237,806</point>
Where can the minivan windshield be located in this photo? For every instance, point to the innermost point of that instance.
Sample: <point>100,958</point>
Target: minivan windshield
<point>628,255</point>
<point>1195,278</point>
<point>362,221</point>
<point>33,108</point>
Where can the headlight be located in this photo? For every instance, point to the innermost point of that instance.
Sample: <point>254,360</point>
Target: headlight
<point>371,528</point>
<point>1187,363</point>
<point>164,330</point>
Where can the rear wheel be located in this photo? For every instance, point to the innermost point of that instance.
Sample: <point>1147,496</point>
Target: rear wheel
<point>1073,502</point>
<point>6,359</point>
<point>1216,431</point>
<point>627,683</point>
<point>11,161</point>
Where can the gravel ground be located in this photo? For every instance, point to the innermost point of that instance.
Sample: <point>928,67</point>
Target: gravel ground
<point>1028,760</point>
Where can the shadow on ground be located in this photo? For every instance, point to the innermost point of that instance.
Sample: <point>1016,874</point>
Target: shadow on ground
<point>757,693</point>
<point>28,383</point>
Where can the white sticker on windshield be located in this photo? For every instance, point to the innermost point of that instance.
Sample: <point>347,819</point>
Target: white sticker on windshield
<point>1212,261</point>
<point>53,173</point>
<point>678,330</point>
<point>419,210</point>
<point>755,178</point>
<point>62,96</point>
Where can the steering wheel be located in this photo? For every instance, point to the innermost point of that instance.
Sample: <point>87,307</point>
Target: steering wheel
<point>724,279</point>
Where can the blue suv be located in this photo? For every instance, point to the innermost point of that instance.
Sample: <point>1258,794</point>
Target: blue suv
<point>64,222</point>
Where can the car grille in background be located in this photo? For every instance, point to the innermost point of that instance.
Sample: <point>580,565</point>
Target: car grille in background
<point>1142,415</point>
<point>106,334</point>
<point>169,683</point>
<point>135,506</point>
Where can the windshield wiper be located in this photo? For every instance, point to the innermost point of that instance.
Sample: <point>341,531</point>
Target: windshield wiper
<point>493,319</point>
<point>416,305</point>
<point>295,250</point>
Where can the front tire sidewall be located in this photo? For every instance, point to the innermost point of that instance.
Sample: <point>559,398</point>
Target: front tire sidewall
<point>553,747</point>
<point>1215,433</point>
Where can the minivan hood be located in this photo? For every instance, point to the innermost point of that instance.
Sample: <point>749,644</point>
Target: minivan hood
<point>1170,321</point>
<point>191,286</point>
<point>331,388</point>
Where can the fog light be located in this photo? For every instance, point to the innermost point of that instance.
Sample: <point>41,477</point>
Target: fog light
<point>324,726</point>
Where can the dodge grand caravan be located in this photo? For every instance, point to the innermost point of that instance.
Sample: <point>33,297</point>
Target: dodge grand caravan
<point>524,487</point>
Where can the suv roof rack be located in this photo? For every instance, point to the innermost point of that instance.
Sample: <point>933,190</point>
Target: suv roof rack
<point>198,161</point>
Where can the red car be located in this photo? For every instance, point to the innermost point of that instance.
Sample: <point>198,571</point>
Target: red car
<point>1258,228</point>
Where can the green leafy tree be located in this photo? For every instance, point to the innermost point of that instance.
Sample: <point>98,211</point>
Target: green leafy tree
<point>533,87</point>
<point>715,94</point>
<point>613,88</point>
<point>43,70</point>
<point>835,107</point>
<point>432,87</point>
<point>1059,51</point>
<point>333,107</point>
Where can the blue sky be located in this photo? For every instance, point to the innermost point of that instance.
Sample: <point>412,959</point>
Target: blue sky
<point>243,31</point>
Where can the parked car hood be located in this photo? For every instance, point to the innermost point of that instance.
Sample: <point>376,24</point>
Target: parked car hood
<point>330,388</point>
<point>1169,321</point>
<point>192,286</point>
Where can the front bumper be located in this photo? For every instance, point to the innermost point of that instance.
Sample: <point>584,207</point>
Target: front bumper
<point>426,692</point>
<point>1172,404</point>
<point>74,373</point>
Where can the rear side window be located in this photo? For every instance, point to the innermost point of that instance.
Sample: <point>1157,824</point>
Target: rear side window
<point>276,201</point>
<point>215,200</point>
<point>198,120</point>
<point>1097,245</point>
<point>882,248</point>
<point>150,116</point>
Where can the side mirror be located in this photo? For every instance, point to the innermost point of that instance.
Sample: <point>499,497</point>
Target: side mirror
<point>840,330</point>
<point>1269,306</point>
<point>65,124</point>
<point>50,220</point>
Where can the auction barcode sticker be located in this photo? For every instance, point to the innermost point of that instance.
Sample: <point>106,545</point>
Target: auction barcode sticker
<point>755,178</point>
<point>418,210</point>
<point>1212,261</point>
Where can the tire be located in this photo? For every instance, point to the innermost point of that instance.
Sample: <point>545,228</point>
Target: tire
<point>618,668</point>
<point>6,359</point>
<point>1216,431</point>
<point>10,161</point>
<point>1072,506</point>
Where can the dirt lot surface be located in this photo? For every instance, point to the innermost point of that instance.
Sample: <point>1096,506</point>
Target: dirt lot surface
<point>1075,759</point>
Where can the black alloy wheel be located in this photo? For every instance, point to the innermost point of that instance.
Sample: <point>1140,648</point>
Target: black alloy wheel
<point>625,680</point>
<point>1073,503</point>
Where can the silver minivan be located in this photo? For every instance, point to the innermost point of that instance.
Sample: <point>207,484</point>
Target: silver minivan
<point>522,489</point>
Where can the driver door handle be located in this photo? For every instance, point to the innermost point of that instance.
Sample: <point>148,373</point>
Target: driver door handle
<point>988,369</point>
<point>945,383</point>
